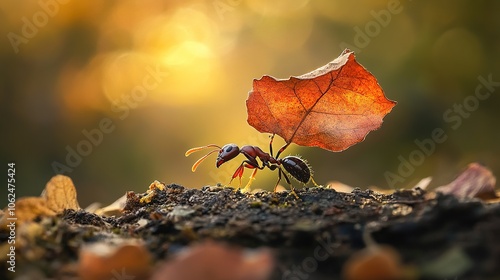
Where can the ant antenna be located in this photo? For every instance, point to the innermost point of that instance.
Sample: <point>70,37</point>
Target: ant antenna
<point>190,151</point>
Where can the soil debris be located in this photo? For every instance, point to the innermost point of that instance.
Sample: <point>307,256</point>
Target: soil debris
<point>312,236</point>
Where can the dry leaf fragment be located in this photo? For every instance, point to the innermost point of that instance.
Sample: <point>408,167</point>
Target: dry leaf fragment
<point>28,208</point>
<point>60,194</point>
<point>157,185</point>
<point>332,107</point>
<point>212,261</point>
<point>103,261</point>
<point>151,192</point>
<point>339,187</point>
<point>423,184</point>
<point>376,262</point>
<point>114,209</point>
<point>475,181</point>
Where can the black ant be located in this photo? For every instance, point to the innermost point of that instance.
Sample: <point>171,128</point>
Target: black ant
<point>295,166</point>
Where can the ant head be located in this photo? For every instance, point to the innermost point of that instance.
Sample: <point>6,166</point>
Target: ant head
<point>227,153</point>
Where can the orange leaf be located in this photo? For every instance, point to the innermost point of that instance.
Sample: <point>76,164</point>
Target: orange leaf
<point>332,107</point>
<point>28,208</point>
<point>212,261</point>
<point>376,262</point>
<point>475,181</point>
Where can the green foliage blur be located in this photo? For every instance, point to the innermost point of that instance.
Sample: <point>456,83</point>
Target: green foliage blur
<point>112,93</point>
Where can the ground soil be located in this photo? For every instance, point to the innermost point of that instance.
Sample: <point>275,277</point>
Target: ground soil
<point>422,227</point>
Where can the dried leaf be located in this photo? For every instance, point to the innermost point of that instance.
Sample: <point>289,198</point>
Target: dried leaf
<point>127,258</point>
<point>475,181</point>
<point>60,194</point>
<point>333,107</point>
<point>211,261</point>
<point>114,209</point>
<point>339,187</point>
<point>28,208</point>
<point>376,262</point>
<point>423,184</point>
<point>381,190</point>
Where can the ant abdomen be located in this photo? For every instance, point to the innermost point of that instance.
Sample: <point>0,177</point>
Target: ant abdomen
<point>297,167</point>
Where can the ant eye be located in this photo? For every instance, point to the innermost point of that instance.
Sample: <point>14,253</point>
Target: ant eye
<point>228,149</point>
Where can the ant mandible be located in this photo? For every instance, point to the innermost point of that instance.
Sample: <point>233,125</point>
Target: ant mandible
<point>295,166</point>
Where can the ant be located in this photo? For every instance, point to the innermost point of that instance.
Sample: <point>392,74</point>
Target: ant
<point>294,165</point>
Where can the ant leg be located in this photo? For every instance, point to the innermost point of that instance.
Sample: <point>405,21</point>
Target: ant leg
<point>292,189</point>
<point>314,182</point>
<point>281,150</point>
<point>280,171</point>
<point>271,145</point>
<point>279,179</point>
<point>252,178</point>
<point>238,173</point>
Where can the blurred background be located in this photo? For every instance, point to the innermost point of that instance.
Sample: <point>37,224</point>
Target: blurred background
<point>112,93</point>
